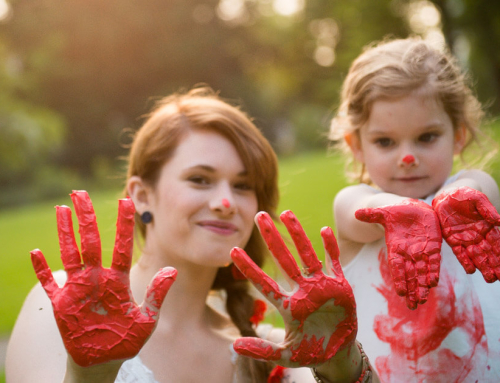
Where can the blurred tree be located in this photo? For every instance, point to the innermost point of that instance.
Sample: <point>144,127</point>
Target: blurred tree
<point>472,29</point>
<point>29,134</point>
<point>100,64</point>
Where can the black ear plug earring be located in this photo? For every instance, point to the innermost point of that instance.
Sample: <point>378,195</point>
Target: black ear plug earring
<point>146,217</point>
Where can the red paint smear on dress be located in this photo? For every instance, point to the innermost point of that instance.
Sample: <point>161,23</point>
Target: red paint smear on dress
<point>416,337</point>
<point>276,374</point>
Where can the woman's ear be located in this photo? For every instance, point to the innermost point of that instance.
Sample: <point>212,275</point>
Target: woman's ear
<point>460,136</point>
<point>140,193</point>
<point>354,142</point>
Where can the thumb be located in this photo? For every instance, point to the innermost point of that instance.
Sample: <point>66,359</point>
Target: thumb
<point>371,215</point>
<point>157,290</point>
<point>487,210</point>
<point>257,348</point>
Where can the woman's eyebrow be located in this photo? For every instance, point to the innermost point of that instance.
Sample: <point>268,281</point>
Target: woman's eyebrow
<point>211,169</point>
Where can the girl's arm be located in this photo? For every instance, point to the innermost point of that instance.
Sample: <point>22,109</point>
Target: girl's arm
<point>478,180</point>
<point>351,232</point>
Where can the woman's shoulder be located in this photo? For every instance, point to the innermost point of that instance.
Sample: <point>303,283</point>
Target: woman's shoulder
<point>35,337</point>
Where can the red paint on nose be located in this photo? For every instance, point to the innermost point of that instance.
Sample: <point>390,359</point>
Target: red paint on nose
<point>225,202</point>
<point>408,159</point>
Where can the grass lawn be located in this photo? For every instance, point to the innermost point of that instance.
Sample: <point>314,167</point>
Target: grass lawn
<point>307,182</point>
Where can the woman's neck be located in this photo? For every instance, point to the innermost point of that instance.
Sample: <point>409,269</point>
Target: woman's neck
<point>186,299</point>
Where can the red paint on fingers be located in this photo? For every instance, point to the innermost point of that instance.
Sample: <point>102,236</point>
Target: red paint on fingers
<point>470,225</point>
<point>413,238</point>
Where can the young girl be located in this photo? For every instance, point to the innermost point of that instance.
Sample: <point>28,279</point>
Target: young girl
<point>199,171</point>
<point>406,111</point>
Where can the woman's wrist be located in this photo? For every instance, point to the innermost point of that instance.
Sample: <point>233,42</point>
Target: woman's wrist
<point>102,373</point>
<point>354,367</point>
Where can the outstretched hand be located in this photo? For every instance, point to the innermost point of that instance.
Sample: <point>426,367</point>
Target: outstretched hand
<point>470,225</point>
<point>320,311</point>
<point>94,310</point>
<point>413,238</point>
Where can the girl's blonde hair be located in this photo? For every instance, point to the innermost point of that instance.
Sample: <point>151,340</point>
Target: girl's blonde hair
<point>155,143</point>
<point>395,68</point>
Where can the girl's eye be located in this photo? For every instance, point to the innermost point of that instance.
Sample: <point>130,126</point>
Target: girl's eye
<point>428,137</point>
<point>384,142</point>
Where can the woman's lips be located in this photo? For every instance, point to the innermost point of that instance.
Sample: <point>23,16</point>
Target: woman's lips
<point>219,227</point>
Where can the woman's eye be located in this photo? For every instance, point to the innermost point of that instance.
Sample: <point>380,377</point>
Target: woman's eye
<point>199,180</point>
<point>243,186</point>
<point>384,142</point>
<point>428,137</point>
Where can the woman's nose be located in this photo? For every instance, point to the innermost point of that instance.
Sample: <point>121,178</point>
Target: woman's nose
<point>223,201</point>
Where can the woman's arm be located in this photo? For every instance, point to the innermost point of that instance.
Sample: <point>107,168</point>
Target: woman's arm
<point>35,352</point>
<point>92,312</point>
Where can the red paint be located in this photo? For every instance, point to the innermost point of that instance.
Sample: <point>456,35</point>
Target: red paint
<point>95,312</point>
<point>413,238</point>
<point>236,273</point>
<point>259,309</point>
<point>469,225</point>
<point>225,203</point>
<point>320,311</point>
<point>416,338</point>
<point>257,348</point>
<point>276,375</point>
<point>408,159</point>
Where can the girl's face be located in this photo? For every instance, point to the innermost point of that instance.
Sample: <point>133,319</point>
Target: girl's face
<point>407,145</point>
<point>203,204</point>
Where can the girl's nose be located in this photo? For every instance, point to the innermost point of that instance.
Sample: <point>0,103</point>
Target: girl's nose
<point>408,161</point>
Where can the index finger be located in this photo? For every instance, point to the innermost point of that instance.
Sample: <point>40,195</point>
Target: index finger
<point>124,242</point>
<point>89,234</point>
<point>277,247</point>
<point>302,243</point>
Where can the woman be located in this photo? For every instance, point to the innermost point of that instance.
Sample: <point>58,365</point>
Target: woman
<point>199,171</point>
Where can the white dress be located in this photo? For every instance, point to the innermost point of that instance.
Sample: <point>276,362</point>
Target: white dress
<point>453,337</point>
<point>135,371</point>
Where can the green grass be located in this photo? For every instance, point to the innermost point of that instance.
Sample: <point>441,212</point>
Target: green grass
<point>307,182</point>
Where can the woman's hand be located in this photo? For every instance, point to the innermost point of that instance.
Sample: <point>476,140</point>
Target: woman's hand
<point>94,310</point>
<point>319,312</point>
<point>469,225</point>
<point>413,238</point>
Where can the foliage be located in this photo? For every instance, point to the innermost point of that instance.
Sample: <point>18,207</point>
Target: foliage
<point>97,63</point>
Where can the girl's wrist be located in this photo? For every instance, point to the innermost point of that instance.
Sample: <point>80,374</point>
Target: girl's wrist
<point>354,366</point>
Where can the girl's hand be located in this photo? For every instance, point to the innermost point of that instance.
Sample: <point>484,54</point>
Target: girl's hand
<point>469,225</point>
<point>413,238</point>
<point>319,312</point>
<point>94,310</point>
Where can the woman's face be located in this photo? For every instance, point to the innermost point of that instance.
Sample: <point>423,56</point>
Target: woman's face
<point>203,204</point>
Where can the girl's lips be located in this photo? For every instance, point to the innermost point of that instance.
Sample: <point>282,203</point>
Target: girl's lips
<point>219,227</point>
<point>409,179</point>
